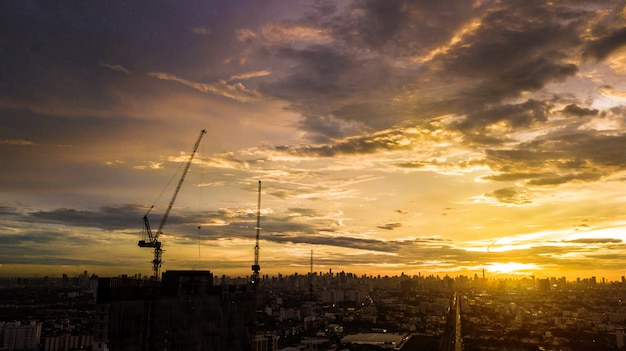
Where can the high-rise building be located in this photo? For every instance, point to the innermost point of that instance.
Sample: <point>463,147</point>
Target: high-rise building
<point>18,336</point>
<point>182,312</point>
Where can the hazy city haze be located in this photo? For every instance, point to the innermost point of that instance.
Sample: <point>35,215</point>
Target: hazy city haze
<point>441,137</point>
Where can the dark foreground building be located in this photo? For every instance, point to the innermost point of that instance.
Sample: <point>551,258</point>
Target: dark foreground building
<point>182,312</point>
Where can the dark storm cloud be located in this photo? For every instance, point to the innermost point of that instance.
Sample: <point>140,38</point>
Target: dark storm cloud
<point>400,28</point>
<point>515,115</point>
<point>229,224</point>
<point>601,48</point>
<point>520,46</point>
<point>409,248</point>
<point>575,110</point>
<point>558,159</point>
<point>326,87</point>
<point>336,241</point>
<point>108,218</point>
<point>352,77</point>
<point>34,236</point>
<point>356,79</point>
<point>289,227</point>
<point>46,245</point>
<point>325,128</point>
<point>366,144</point>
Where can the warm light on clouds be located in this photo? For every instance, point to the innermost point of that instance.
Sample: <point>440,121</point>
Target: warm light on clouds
<point>235,91</point>
<point>456,39</point>
<point>390,136</point>
<point>511,268</point>
<point>293,33</point>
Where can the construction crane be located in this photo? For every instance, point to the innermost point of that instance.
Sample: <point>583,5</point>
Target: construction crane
<point>255,267</point>
<point>153,238</point>
<point>255,272</point>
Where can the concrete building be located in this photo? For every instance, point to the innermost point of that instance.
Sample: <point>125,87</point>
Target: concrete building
<point>183,312</point>
<point>383,340</point>
<point>67,342</point>
<point>17,336</point>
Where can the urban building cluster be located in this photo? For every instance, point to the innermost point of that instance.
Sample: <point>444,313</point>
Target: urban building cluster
<point>317,311</point>
<point>544,314</point>
<point>48,313</point>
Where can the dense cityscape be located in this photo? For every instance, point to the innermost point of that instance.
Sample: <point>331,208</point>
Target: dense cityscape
<point>319,311</point>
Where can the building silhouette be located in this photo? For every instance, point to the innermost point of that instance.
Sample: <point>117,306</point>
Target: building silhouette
<point>184,311</point>
<point>18,336</point>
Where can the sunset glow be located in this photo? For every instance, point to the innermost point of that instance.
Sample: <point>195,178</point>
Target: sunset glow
<point>390,137</point>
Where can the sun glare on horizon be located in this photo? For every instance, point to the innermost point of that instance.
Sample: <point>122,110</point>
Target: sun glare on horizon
<point>515,268</point>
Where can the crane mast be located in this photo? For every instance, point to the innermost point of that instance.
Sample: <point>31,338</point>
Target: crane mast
<point>153,241</point>
<point>255,267</point>
<point>255,272</point>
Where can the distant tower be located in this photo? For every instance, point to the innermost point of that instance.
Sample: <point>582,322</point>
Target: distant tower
<point>311,277</point>
<point>483,273</point>
<point>199,227</point>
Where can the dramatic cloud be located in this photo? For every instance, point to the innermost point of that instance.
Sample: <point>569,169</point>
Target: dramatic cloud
<point>108,218</point>
<point>404,136</point>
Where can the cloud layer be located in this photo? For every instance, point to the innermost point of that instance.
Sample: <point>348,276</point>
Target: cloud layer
<point>405,134</point>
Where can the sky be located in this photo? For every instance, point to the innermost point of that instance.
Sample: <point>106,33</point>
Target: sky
<point>416,137</point>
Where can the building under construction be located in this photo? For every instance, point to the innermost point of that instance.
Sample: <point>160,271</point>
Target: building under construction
<point>183,311</point>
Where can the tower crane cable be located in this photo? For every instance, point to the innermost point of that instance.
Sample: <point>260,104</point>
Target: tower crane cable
<point>146,231</point>
<point>164,188</point>
<point>153,241</point>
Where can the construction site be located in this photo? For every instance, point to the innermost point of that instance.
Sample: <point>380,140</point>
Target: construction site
<point>182,309</point>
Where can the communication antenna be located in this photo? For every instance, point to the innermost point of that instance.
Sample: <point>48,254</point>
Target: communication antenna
<point>199,227</point>
<point>311,277</point>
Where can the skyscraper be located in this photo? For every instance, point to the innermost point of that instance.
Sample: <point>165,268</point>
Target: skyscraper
<point>18,336</point>
<point>182,312</point>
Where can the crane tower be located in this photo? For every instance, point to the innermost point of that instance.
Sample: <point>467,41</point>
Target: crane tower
<point>255,267</point>
<point>153,238</point>
<point>255,273</point>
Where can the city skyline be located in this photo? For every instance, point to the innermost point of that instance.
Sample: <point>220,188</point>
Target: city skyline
<point>405,136</point>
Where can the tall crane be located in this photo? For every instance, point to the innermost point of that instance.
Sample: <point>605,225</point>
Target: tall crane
<point>255,267</point>
<point>255,273</point>
<point>153,238</point>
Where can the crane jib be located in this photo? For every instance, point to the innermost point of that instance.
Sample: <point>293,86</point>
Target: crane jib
<point>152,238</point>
